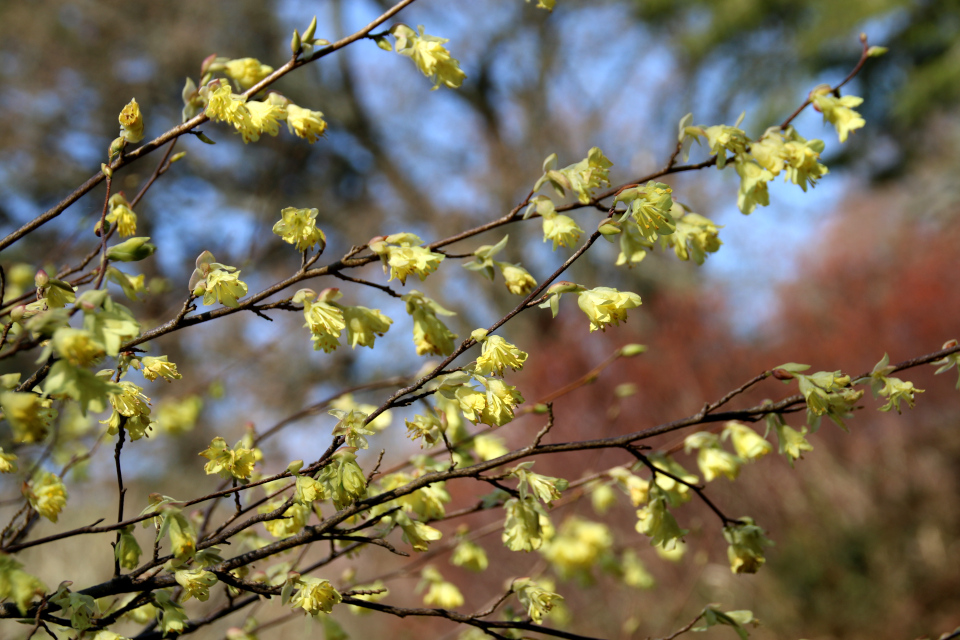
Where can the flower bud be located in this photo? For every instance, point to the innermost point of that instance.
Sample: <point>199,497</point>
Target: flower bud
<point>631,350</point>
<point>132,250</point>
<point>41,279</point>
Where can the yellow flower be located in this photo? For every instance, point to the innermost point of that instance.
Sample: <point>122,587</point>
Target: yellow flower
<point>299,228</point>
<point>305,123</point>
<point>526,526</point>
<point>768,151</point>
<point>501,399</point>
<point>265,118</point>
<point>470,556</point>
<point>8,462</point>
<point>578,546</point>
<point>224,287</point>
<point>159,367</point>
<point>712,459</point>
<point>535,598</point>
<point>605,306</point>
<point>364,325</point>
<point>792,442</point>
<point>247,71</point>
<point>290,523</point>
<point>225,105</point>
<point>46,495</point>
<point>131,122</point>
<point>401,254</point>
<point>748,444</point>
<point>316,596</point>
<point>562,230</point>
<point>497,355</point>
<point>658,523</point>
<point>127,551</point>
<point>228,463</point>
<point>518,280</point>
<point>802,159</point>
<point>430,335</point>
<point>29,415</point>
<point>77,346</point>
<point>123,215</point>
<point>415,533</point>
<point>443,594</point>
<point>838,112</point>
<point>430,56</point>
<point>753,186</point>
<point>747,542</point>
<point>196,583</point>
<point>323,318</point>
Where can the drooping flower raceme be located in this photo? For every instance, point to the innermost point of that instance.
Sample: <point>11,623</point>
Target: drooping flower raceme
<point>315,596</point>
<point>46,494</point>
<point>217,282</point>
<point>497,355</point>
<point>605,306</point>
<point>430,56</point>
<point>299,228</point>
<point>430,335</point>
<point>123,215</point>
<point>247,71</point>
<point>402,255</point>
<point>131,122</point>
<point>305,123</point>
<point>537,600</point>
<point>838,111</point>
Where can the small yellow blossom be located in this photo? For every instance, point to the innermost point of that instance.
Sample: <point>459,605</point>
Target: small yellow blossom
<point>748,444</point>
<point>430,56</point>
<point>127,551</point>
<point>78,346</point>
<point>299,228</point>
<point>223,285</point>
<point>518,280</point>
<point>290,523</point>
<point>131,122</point>
<point>305,123</point>
<point>562,230</point>
<point>430,335</point>
<point>323,317</point>
<point>123,215</point>
<point>225,105</point>
<point>228,463</point>
<point>605,306</point>
<point>46,495</point>
<point>470,556</point>
<point>159,367</point>
<point>8,462</point>
<point>364,325</point>
<point>537,600</point>
<point>316,596</point>
<point>402,255</point>
<point>28,415</point>
<point>497,355</point>
<point>247,71</point>
<point>747,542</point>
<point>265,118</point>
<point>753,186</point>
<point>441,593</point>
<point>196,583</point>
<point>839,113</point>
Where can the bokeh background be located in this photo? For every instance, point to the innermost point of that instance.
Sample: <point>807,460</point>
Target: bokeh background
<point>867,526</point>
